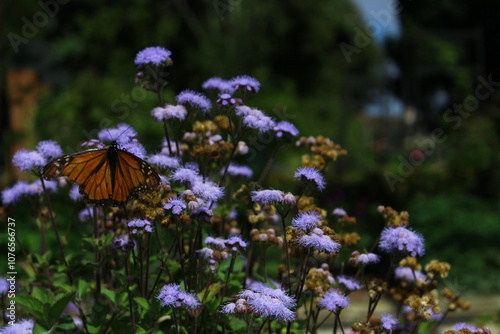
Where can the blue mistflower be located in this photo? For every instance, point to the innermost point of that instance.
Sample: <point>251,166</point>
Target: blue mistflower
<point>255,119</point>
<point>317,240</point>
<point>389,322</point>
<point>49,149</point>
<point>369,258</point>
<point>235,243</point>
<point>463,325</point>
<point>312,175</point>
<point>235,170</point>
<point>408,274</point>
<point>171,295</point>
<point>155,55</point>
<point>185,175</point>
<point>161,114</point>
<point>268,196</point>
<point>22,326</point>
<point>123,133</point>
<point>4,285</point>
<point>74,193</point>
<point>226,99</point>
<point>307,220</point>
<point>207,190</point>
<point>339,212</point>
<point>175,204</point>
<point>245,83</point>
<point>285,128</point>
<point>333,301</point>
<point>164,161</point>
<point>22,188</point>
<point>135,148</point>
<point>349,282</point>
<point>27,160</point>
<point>394,239</point>
<point>194,99</point>
<point>223,86</point>
<point>140,224</point>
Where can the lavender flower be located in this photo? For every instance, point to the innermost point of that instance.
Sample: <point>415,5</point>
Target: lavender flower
<point>22,188</point>
<point>408,274</point>
<point>74,193</point>
<point>463,325</point>
<point>311,174</point>
<point>255,119</point>
<point>389,322</point>
<point>49,149</point>
<point>318,241</point>
<point>171,295</point>
<point>140,224</point>
<point>4,286</point>
<point>226,99</point>
<point>223,86</point>
<point>284,128</point>
<point>161,114</point>
<point>155,55</point>
<point>368,258</point>
<point>217,243</point>
<point>339,212</point>
<point>208,191</point>
<point>307,220</point>
<point>333,301</point>
<point>175,204</point>
<point>349,282</point>
<point>268,196</point>
<point>135,148</point>
<point>194,99</point>
<point>123,242</point>
<point>245,83</point>
<point>185,175</point>
<point>235,170</point>
<point>395,239</point>
<point>163,161</point>
<point>22,326</point>
<point>235,243</point>
<point>27,160</point>
<point>123,133</point>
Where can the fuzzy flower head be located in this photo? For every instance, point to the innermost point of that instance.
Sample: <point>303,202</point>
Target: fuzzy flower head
<point>168,112</point>
<point>49,149</point>
<point>263,302</point>
<point>311,175</point>
<point>27,160</point>
<point>463,325</point>
<point>235,243</point>
<point>285,129</point>
<point>333,301</point>
<point>235,170</point>
<point>307,220</point>
<point>339,212</point>
<point>22,188</point>
<point>349,283</point>
<point>194,99</point>
<point>154,55</point>
<point>318,240</point>
<point>398,239</point>
<point>389,322</point>
<point>22,326</point>
<point>4,286</point>
<point>255,119</point>
<point>123,133</point>
<point>245,83</point>
<point>408,274</point>
<point>123,242</point>
<point>363,259</point>
<point>268,196</point>
<point>171,295</point>
<point>216,83</point>
<point>137,225</point>
<point>164,161</point>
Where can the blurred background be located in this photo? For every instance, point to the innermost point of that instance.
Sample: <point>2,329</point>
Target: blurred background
<point>409,88</point>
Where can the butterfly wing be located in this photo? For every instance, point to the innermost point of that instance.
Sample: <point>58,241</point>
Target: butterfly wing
<point>107,175</point>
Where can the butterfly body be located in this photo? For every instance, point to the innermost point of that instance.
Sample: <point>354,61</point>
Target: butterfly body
<point>105,176</point>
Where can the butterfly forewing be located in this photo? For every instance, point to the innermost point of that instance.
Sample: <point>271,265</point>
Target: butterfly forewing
<point>108,175</point>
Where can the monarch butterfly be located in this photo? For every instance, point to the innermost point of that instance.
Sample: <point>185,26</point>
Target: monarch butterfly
<point>108,175</point>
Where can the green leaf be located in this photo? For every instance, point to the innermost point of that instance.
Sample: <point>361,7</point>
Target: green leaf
<point>58,307</point>
<point>44,295</point>
<point>38,329</point>
<point>32,305</point>
<point>108,293</point>
<point>142,302</point>
<point>82,287</point>
<point>213,289</point>
<point>236,324</point>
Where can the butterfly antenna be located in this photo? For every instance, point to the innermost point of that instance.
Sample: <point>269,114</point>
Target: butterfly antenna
<point>121,133</point>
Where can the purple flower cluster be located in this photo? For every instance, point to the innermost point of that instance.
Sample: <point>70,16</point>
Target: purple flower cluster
<point>22,326</point>
<point>408,274</point>
<point>235,170</point>
<point>22,188</point>
<point>176,204</point>
<point>339,212</point>
<point>226,99</point>
<point>245,83</point>
<point>317,240</point>
<point>140,224</point>
<point>216,83</point>
<point>333,301</point>
<point>311,175</point>
<point>171,295</point>
<point>164,161</point>
<point>398,239</point>
<point>27,160</point>
<point>123,133</point>
<point>123,242</point>
<point>389,322</point>
<point>155,55</point>
<point>284,128</point>
<point>168,112</point>
<point>264,302</point>
<point>194,99</point>
<point>368,258</point>
<point>349,283</point>
<point>255,119</point>
<point>307,220</point>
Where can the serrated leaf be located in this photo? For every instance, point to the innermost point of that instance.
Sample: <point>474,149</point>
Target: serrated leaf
<point>58,307</point>
<point>38,329</point>
<point>32,305</point>
<point>43,295</point>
